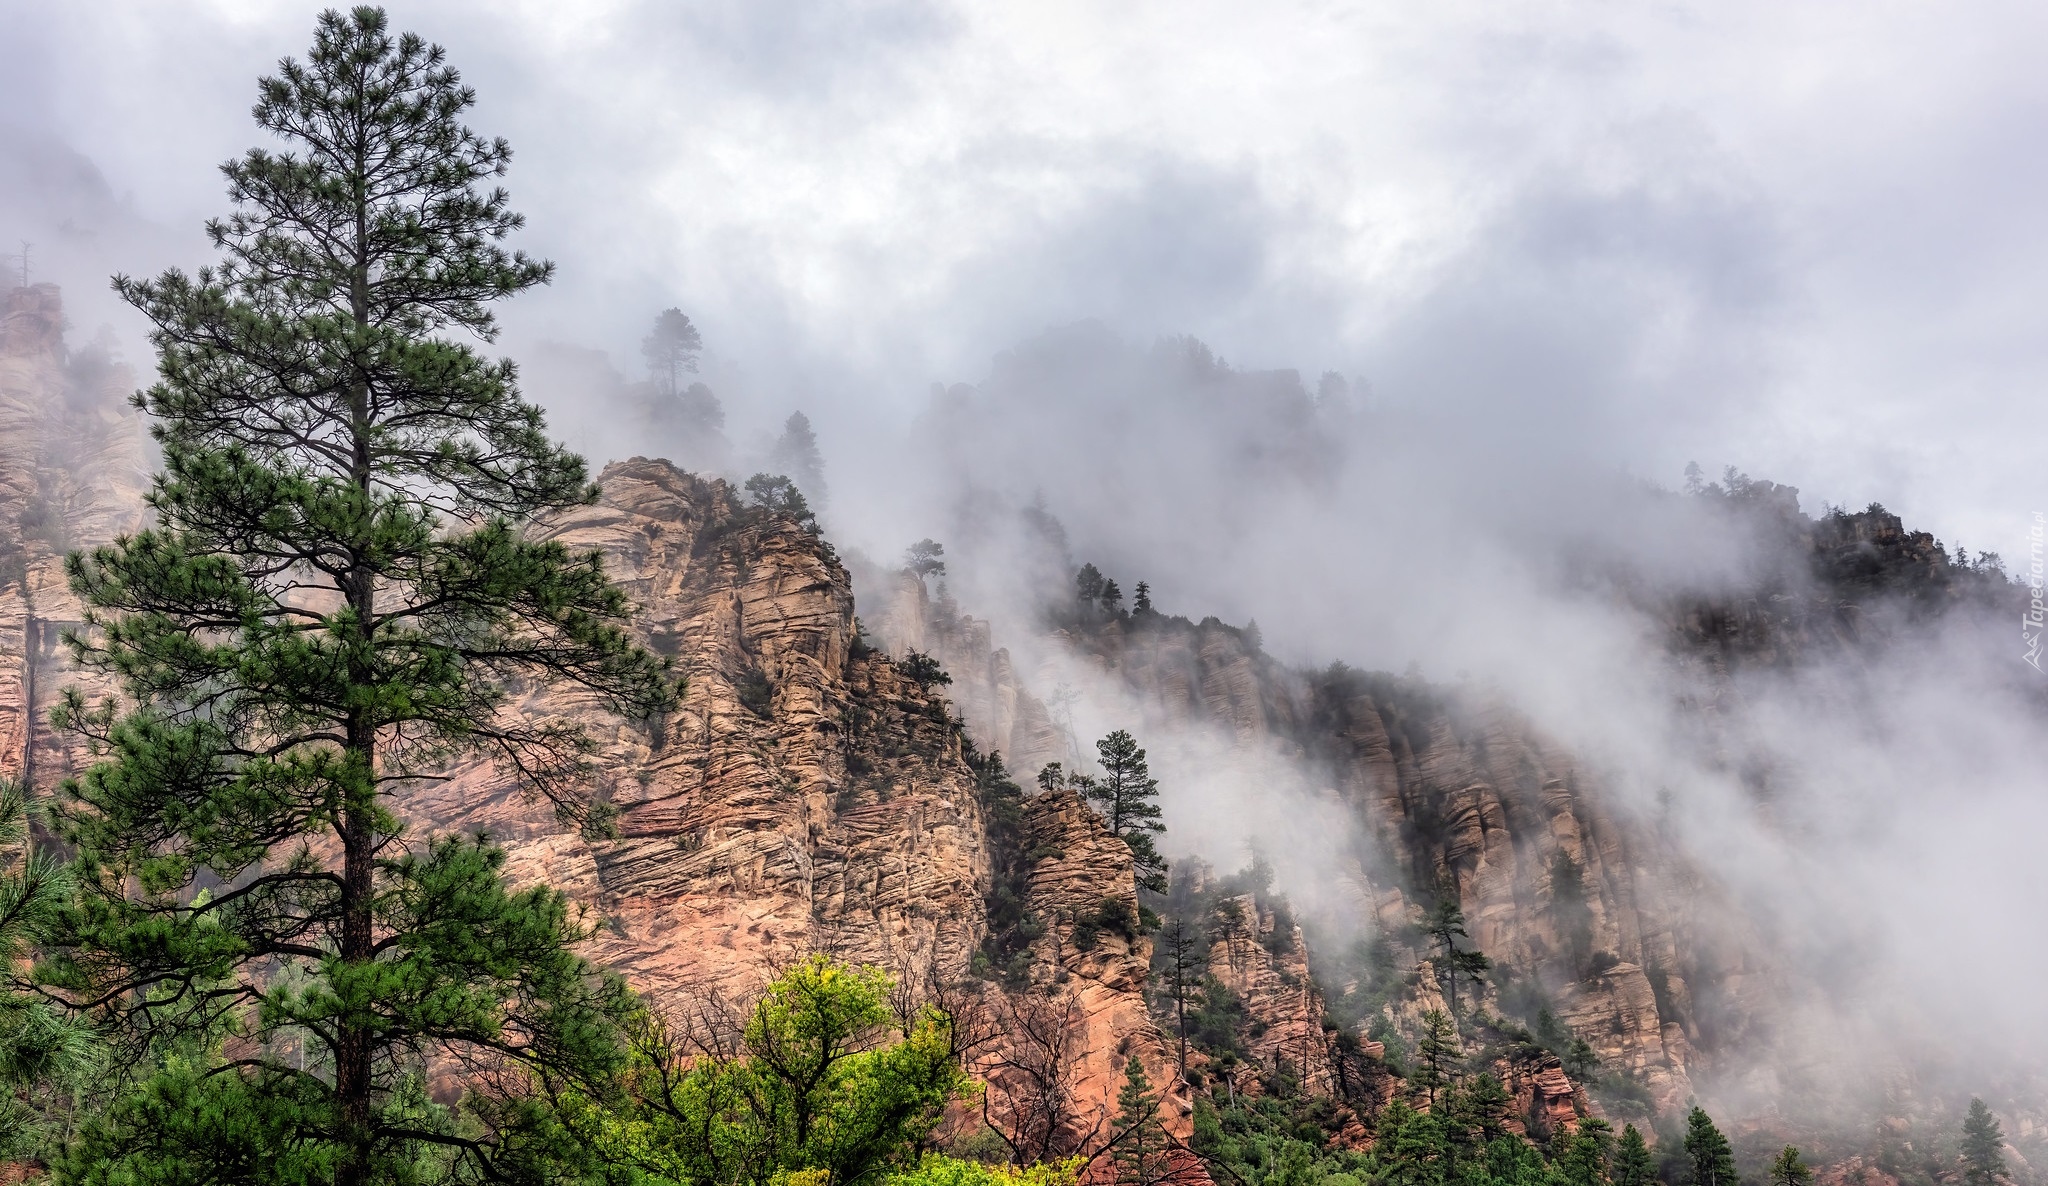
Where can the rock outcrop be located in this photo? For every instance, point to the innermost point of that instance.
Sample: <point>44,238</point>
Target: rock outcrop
<point>803,797</point>
<point>1543,1100</point>
<point>1085,890</point>
<point>1262,958</point>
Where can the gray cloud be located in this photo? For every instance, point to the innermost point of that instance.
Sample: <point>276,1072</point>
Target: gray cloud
<point>858,199</point>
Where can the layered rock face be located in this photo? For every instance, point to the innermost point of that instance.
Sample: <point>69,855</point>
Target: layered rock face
<point>1262,958</point>
<point>810,796</point>
<point>1081,870</point>
<point>992,694</point>
<point>1815,585</point>
<point>802,798</point>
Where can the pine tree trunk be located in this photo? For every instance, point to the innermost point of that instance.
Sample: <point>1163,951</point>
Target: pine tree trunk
<point>352,1037</point>
<point>358,843</point>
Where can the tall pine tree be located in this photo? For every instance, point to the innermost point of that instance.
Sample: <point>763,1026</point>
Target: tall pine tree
<point>336,600</point>
<point>1983,1146</point>
<point>1142,1155</point>
<point>1713,1161</point>
<point>1443,926</point>
<point>1437,1055</point>
<point>1126,792</point>
<point>671,350</point>
<point>1633,1165</point>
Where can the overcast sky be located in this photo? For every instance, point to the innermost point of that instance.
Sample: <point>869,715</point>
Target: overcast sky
<point>1803,239</point>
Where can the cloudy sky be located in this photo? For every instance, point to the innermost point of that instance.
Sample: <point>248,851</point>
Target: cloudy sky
<point>1803,239</point>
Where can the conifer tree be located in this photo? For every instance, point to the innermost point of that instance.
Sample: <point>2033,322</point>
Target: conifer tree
<point>1126,792</point>
<point>1983,1146</point>
<point>1633,1165</point>
<point>1142,1157</point>
<point>1580,1060</point>
<point>1444,926</point>
<point>1582,1156</point>
<point>1512,1161</point>
<point>777,495</point>
<point>1713,1161</point>
<point>41,1046</point>
<point>671,351</point>
<point>1089,586</point>
<point>1409,1147</point>
<point>796,454</point>
<point>1569,908</point>
<point>1488,1103</point>
<point>1788,1170</point>
<point>337,599</point>
<point>1180,946</point>
<point>925,558</point>
<point>1438,1053</point>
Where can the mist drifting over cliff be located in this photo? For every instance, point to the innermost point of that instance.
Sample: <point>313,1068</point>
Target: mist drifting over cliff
<point>1859,812</point>
<point>1378,327</point>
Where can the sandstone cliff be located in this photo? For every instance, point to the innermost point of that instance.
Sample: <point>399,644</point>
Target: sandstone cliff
<point>809,795</point>
<point>803,797</point>
<point>1261,957</point>
<point>1083,886</point>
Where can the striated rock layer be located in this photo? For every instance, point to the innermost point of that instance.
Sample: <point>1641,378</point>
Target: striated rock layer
<point>1262,958</point>
<point>1082,869</point>
<point>801,798</point>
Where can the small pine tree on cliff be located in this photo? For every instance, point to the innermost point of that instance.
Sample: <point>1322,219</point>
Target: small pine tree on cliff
<point>1788,1170</point>
<point>1437,1054</point>
<point>671,350</point>
<point>1142,1155</point>
<point>796,454</point>
<point>1983,1147</point>
<point>1443,926</point>
<point>1633,1165</point>
<point>1570,910</point>
<point>1180,949</point>
<point>777,495</point>
<point>924,558</point>
<point>336,599</point>
<point>1126,792</point>
<point>1713,1162</point>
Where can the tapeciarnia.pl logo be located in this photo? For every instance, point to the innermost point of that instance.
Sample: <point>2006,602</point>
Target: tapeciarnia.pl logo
<point>2037,613</point>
